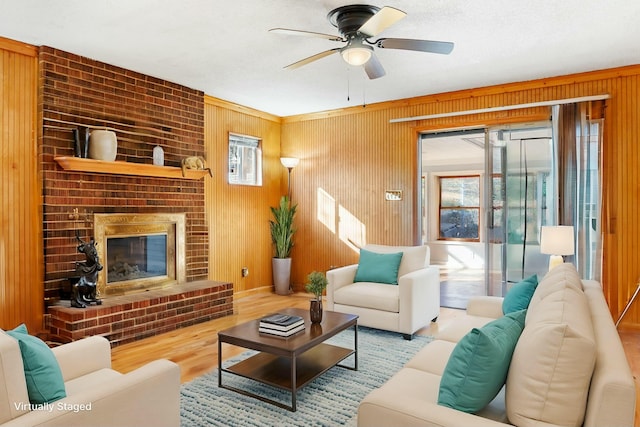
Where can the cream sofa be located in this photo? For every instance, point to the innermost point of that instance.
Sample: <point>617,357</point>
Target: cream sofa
<point>96,394</point>
<point>404,308</point>
<point>568,367</point>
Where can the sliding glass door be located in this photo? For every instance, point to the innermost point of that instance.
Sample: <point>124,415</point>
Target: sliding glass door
<point>520,198</point>
<point>452,168</point>
<point>487,193</point>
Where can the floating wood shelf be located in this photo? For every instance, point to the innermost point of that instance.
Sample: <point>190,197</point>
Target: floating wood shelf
<point>125,168</point>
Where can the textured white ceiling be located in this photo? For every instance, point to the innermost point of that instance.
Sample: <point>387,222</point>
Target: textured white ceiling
<point>224,48</point>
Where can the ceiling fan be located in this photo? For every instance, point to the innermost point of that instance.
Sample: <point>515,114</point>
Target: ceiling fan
<point>357,24</point>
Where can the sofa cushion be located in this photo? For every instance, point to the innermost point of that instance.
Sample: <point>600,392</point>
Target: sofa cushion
<point>552,364</point>
<point>518,297</point>
<point>378,267</point>
<point>83,384</point>
<point>455,331</point>
<point>413,257</point>
<point>41,369</point>
<point>557,279</point>
<point>377,296</point>
<point>409,398</point>
<point>433,357</point>
<point>478,366</point>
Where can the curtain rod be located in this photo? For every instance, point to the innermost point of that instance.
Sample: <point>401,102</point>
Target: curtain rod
<point>504,108</point>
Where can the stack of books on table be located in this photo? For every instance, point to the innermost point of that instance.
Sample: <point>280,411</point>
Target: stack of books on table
<point>282,325</point>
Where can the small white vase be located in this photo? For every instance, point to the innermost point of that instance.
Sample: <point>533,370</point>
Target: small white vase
<point>158,156</point>
<point>103,145</point>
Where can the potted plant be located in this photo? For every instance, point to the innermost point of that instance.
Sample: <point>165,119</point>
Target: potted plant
<point>282,232</point>
<point>316,285</point>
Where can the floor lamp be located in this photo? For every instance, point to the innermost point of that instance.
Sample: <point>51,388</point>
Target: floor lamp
<point>289,163</point>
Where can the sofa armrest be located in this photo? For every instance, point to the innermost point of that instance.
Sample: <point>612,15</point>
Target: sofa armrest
<point>337,278</point>
<point>419,298</point>
<point>612,393</point>
<point>147,396</point>
<point>84,356</point>
<point>485,306</point>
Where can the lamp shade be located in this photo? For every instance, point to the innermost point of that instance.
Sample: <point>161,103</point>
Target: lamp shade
<point>289,162</point>
<point>557,240</point>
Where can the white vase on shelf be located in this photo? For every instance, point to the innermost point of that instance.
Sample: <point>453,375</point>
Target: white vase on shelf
<point>158,156</point>
<point>103,145</point>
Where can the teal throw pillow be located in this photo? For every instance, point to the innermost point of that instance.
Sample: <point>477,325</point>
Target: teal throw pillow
<point>378,268</point>
<point>519,296</point>
<point>41,369</point>
<point>477,368</point>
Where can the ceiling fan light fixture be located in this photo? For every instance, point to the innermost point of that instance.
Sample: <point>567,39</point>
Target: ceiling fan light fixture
<point>356,54</point>
<point>358,24</point>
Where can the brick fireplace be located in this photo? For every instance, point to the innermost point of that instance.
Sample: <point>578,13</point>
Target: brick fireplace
<point>144,112</point>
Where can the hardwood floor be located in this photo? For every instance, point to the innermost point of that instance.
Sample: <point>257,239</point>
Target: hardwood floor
<point>195,348</point>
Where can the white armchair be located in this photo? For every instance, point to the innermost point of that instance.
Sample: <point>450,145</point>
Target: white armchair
<point>405,308</point>
<point>96,394</point>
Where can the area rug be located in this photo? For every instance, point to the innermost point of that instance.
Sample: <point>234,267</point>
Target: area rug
<point>330,400</point>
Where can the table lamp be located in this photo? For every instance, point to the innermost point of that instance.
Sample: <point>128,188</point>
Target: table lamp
<point>556,240</point>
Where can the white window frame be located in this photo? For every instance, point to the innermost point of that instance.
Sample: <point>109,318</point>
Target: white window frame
<point>245,160</point>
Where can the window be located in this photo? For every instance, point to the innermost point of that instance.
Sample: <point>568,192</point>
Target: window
<point>459,208</point>
<point>245,160</point>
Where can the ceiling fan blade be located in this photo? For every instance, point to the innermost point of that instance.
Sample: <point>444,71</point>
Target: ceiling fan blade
<point>312,58</point>
<point>291,32</point>
<point>383,19</point>
<point>374,68</point>
<point>431,46</point>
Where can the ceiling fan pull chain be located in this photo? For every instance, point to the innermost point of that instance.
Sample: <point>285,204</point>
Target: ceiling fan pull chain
<point>364,92</point>
<point>348,84</point>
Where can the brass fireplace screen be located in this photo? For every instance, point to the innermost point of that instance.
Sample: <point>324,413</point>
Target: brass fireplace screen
<point>139,251</point>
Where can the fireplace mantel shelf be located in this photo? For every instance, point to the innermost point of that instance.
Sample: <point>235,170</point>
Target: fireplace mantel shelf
<point>126,168</point>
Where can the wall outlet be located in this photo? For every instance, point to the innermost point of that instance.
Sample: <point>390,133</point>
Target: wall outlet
<point>245,271</point>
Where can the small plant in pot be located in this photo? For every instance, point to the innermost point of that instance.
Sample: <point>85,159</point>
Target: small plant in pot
<point>282,232</point>
<point>316,285</point>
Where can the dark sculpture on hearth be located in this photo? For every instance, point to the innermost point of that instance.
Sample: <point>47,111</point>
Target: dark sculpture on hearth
<point>85,290</point>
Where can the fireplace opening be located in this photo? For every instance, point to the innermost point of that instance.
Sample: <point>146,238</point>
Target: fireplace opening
<point>137,257</point>
<point>139,251</point>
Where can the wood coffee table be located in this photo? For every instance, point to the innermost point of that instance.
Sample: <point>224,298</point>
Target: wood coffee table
<point>288,363</point>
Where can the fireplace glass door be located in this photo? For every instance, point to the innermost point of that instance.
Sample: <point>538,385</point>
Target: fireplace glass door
<point>136,257</point>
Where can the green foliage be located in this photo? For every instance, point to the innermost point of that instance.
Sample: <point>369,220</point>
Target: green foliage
<point>317,284</point>
<point>282,227</point>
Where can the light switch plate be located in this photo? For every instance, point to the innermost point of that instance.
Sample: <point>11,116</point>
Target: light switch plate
<point>393,195</point>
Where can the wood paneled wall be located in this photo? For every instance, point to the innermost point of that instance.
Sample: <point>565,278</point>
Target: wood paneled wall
<point>347,163</point>
<point>21,257</point>
<point>238,215</point>
<point>351,156</point>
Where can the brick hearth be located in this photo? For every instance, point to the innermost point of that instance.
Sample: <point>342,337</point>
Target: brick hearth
<point>127,318</point>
